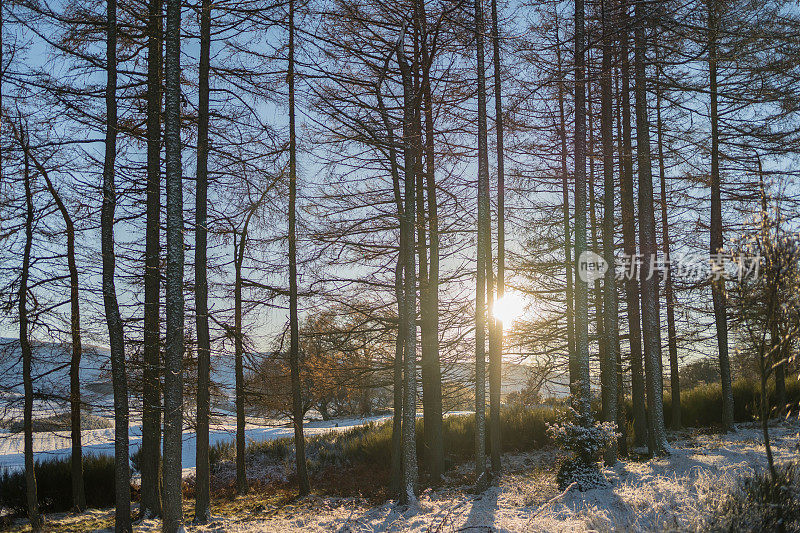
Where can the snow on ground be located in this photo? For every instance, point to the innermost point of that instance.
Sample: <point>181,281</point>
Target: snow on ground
<point>674,493</point>
<point>51,444</point>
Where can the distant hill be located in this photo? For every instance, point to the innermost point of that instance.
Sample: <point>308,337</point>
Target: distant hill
<point>515,378</point>
<point>50,371</point>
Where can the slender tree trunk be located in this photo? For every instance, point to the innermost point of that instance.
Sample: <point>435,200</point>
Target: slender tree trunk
<point>496,347</point>
<point>410,474</point>
<point>431,303</point>
<point>651,325</point>
<point>718,286</point>
<point>774,326</point>
<point>428,343</point>
<point>610,319</point>
<point>569,275</point>
<point>629,244</point>
<point>765,413</point>
<point>396,478</point>
<point>593,225</point>
<point>122,474</point>
<point>78,494</point>
<point>622,416</point>
<point>241,470</point>
<point>669,295</point>
<point>174,349</point>
<point>581,402</point>
<point>150,455</point>
<point>294,327</point>
<point>203,472</point>
<point>27,358</point>
<point>483,263</point>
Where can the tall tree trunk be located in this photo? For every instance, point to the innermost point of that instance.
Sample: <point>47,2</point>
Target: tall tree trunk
<point>483,263</point>
<point>241,470</point>
<point>174,349</point>
<point>122,473</point>
<point>430,306</point>
<point>203,472</point>
<point>581,401</point>
<point>410,474</point>
<point>27,358</point>
<point>593,225</point>
<point>426,341</point>
<point>294,327</point>
<point>150,455</point>
<point>716,241</point>
<point>496,342</point>
<point>610,320</point>
<point>396,477</point>
<point>622,416</point>
<point>629,243</point>
<point>651,325</point>
<point>78,493</point>
<point>777,347</point>
<point>568,271</point>
<point>669,295</point>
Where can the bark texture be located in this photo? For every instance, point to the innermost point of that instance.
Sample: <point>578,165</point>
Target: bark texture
<point>122,473</point>
<point>716,241</point>
<point>203,471</point>
<point>303,486</point>
<point>31,497</point>
<point>150,457</point>
<point>610,319</point>
<point>174,348</point>
<point>651,325</point>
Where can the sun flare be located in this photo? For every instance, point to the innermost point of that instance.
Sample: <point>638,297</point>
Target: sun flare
<point>508,309</point>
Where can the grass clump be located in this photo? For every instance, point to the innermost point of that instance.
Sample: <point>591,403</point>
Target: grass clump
<point>701,406</point>
<point>762,503</point>
<point>54,485</point>
<point>367,450</point>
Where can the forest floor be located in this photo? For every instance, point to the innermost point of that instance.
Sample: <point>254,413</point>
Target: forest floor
<point>679,492</point>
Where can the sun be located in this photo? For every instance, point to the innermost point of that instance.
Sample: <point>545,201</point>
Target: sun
<point>508,309</point>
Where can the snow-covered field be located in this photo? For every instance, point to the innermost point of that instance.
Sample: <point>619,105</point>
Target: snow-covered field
<point>101,441</point>
<point>674,493</point>
<point>677,492</point>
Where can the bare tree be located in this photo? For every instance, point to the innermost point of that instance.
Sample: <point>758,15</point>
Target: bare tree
<point>483,286</point>
<point>716,243</point>
<point>150,456</point>
<point>27,355</point>
<point>608,369</point>
<point>629,239</point>
<point>122,475</point>
<point>203,487</point>
<point>174,349</point>
<point>582,395</point>
<point>409,470</point>
<point>294,329</point>
<point>651,326</point>
<point>496,340</point>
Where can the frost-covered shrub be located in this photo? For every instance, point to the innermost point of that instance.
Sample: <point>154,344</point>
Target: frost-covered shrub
<point>762,504</point>
<point>584,441</point>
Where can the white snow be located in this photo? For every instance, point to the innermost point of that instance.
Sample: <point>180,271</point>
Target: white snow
<point>677,492</point>
<point>101,441</point>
